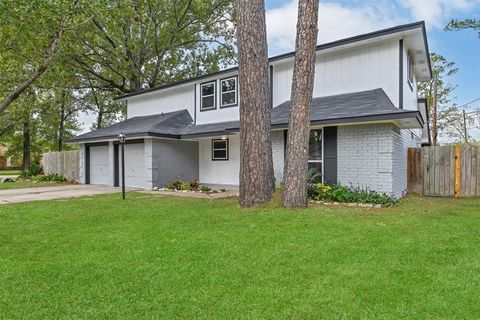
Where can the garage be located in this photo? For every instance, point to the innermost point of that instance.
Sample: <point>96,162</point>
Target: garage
<point>134,164</point>
<point>99,172</point>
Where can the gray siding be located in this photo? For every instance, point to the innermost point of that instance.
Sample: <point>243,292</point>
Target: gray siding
<point>278,152</point>
<point>374,156</point>
<point>173,159</point>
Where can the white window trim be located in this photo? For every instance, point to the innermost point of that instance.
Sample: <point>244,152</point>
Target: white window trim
<point>214,95</point>
<point>220,149</point>
<point>222,105</point>
<point>410,67</point>
<point>323,153</point>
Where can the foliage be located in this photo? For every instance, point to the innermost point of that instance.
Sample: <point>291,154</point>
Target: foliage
<point>49,178</point>
<point>4,180</point>
<point>177,184</point>
<point>205,188</point>
<point>340,193</point>
<point>169,186</point>
<point>194,184</point>
<point>456,25</point>
<point>185,186</point>
<point>438,92</point>
<point>34,170</point>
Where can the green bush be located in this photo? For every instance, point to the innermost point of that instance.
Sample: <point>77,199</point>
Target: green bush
<point>177,184</point>
<point>49,178</point>
<point>340,193</point>
<point>205,188</point>
<point>185,186</point>
<point>169,186</point>
<point>34,170</point>
<point>194,184</point>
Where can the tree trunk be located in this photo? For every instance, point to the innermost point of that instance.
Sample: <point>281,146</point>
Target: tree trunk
<point>256,165</point>
<point>296,165</point>
<point>26,144</point>
<point>61,128</point>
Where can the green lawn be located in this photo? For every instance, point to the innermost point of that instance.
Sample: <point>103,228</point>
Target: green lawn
<point>9,172</point>
<point>152,257</point>
<point>22,184</point>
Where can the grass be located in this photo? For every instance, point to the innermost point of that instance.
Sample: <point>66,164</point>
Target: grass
<point>10,172</point>
<point>166,257</point>
<point>29,184</point>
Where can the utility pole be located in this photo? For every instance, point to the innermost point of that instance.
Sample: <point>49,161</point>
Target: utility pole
<point>465,126</point>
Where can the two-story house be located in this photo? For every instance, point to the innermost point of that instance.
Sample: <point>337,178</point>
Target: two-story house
<point>364,115</point>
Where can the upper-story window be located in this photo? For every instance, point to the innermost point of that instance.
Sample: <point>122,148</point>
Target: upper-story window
<point>410,71</point>
<point>207,96</point>
<point>228,94</point>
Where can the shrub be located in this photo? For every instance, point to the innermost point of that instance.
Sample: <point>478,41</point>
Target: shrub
<point>169,186</point>
<point>34,170</point>
<point>194,184</point>
<point>322,192</point>
<point>205,188</point>
<point>177,184</point>
<point>340,193</point>
<point>185,186</point>
<point>49,178</point>
<point>8,180</point>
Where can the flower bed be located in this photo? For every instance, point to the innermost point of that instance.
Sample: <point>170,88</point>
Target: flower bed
<point>352,196</point>
<point>181,186</point>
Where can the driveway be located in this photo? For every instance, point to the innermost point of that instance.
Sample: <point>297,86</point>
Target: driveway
<point>50,193</point>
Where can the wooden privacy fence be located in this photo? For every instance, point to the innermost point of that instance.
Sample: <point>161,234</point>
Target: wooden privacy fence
<point>65,163</point>
<point>444,171</point>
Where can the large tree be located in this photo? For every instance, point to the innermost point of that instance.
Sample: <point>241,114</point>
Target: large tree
<point>296,163</point>
<point>31,33</point>
<point>438,92</point>
<point>132,45</point>
<point>256,165</point>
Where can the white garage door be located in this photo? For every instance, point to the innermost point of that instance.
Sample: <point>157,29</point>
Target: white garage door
<point>99,172</point>
<point>134,165</point>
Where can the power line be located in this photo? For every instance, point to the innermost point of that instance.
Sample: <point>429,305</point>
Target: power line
<point>470,102</point>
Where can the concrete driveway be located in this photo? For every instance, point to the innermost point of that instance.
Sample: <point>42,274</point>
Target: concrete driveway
<point>50,193</point>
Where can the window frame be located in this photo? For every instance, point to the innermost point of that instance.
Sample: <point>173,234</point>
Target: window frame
<point>323,153</point>
<point>227,149</point>
<point>222,106</point>
<point>410,71</point>
<point>214,82</point>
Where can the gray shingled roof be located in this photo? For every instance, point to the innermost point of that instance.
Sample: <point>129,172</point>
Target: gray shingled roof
<point>343,108</point>
<point>167,125</point>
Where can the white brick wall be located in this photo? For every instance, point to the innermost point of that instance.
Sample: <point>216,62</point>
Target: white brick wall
<point>374,156</point>
<point>278,152</point>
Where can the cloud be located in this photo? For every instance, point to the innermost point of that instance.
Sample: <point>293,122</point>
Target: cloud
<point>343,19</point>
<point>336,21</point>
<point>437,12</point>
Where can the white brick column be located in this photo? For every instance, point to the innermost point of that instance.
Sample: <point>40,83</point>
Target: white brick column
<point>81,166</point>
<point>148,149</point>
<point>111,164</point>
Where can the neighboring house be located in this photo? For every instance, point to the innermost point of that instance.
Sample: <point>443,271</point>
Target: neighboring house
<point>364,115</point>
<point>5,161</point>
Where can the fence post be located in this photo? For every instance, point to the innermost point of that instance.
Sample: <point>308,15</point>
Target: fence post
<point>458,173</point>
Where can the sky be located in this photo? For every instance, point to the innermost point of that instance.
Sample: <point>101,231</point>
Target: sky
<point>345,18</point>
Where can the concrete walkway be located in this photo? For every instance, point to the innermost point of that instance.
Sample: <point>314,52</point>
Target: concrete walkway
<point>198,195</point>
<point>50,193</point>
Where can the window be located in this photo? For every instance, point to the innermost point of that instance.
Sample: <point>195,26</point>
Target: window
<point>315,154</point>
<point>410,72</point>
<point>220,149</point>
<point>207,96</point>
<point>229,95</point>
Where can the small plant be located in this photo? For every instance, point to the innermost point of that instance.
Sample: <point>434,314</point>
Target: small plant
<point>323,192</point>
<point>177,184</point>
<point>5,180</point>
<point>49,178</point>
<point>185,186</point>
<point>194,184</point>
<point>340,193</point>
<point>205,188</point>
<point>33,170</point>
<point>169,186</point>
